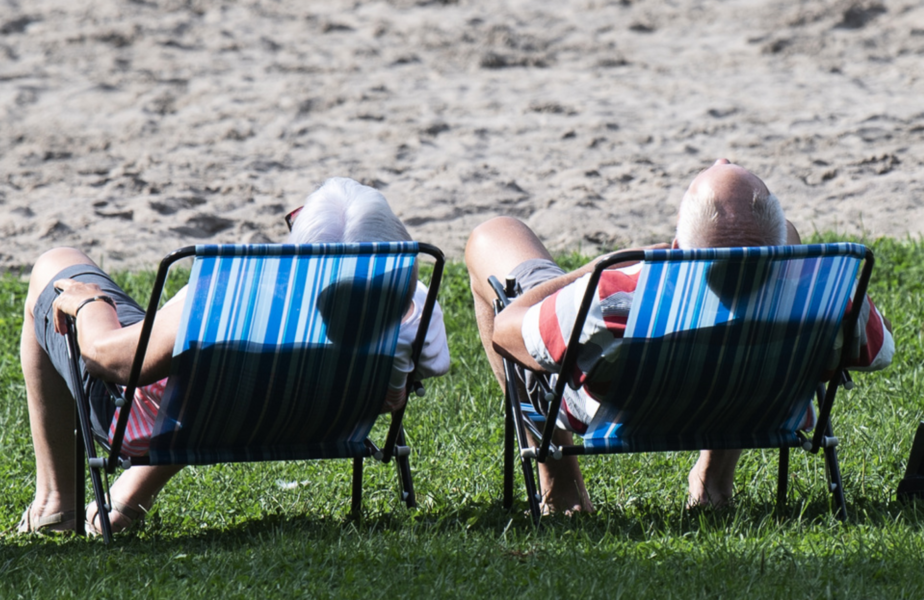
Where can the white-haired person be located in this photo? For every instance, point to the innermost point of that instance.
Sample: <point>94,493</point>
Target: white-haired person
<point>108,325</point>
<point>724,206</point>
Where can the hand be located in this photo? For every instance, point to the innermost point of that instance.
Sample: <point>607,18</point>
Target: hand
<point>658,246</point>
<point>66,304</point>
<point>393,403</point>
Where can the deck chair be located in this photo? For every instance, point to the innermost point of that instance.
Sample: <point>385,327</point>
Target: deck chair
<point>724,348</point>
<point>284,353</point>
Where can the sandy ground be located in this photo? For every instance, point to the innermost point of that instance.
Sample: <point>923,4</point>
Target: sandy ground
<point>129,128</point>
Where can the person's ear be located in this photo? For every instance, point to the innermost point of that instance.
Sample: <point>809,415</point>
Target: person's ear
<point>675,245</point>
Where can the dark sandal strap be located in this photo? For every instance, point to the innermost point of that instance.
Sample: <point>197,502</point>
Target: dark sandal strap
<point>31,524</point>
<point>134,517</point>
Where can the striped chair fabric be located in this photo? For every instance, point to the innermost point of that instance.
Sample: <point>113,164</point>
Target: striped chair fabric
<point>723,348</point>
<point>283,352</point>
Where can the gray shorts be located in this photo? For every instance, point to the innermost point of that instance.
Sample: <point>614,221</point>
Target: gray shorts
<point>101,407</point>
<point>534,271</point>
<point>529,274</point>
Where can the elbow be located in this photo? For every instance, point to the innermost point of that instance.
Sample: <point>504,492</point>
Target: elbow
<point>507,338</point>
<point>101,372</point>
<point>500,350</point>
<point>500,338</point>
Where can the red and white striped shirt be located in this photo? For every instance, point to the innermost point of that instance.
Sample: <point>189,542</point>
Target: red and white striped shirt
<point>547,326</point>
<point>140,426</point>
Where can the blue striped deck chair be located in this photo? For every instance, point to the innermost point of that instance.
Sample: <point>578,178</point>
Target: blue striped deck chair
<point>284,352</point>
<point>724,348</point>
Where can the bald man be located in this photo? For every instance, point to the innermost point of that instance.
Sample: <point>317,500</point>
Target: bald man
<point>724,206</point>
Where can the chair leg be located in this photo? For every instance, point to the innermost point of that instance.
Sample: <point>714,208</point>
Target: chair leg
<point>513,405</point>
<point>84,449</point>
<point>80,476</point>
<point>96,478</point>
<point>357,503</point>
<point>404,475</point>
<point>532,492</point>
<point>83,439</point>
<point>508,455</point>
<point>835,484</point>
<point>782,482</point>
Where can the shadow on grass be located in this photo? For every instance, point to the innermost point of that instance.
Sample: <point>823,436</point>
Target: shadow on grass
<point>634,523</point>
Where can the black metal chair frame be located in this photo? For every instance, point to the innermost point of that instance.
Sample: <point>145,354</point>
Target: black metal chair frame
<point>516,442</point>
<point>101,467</point>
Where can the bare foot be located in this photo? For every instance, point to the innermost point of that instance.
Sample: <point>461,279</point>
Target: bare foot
<point>133,495</point>
<point>712,477</point>
<point>562,483</point>
<point>551,506</point>
<point>121,517</point>
<point>563,487</point>
<point>49,512</point>
<point>702,495</point>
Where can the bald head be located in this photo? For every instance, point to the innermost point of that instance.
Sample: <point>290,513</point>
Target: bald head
<point>727,205</point>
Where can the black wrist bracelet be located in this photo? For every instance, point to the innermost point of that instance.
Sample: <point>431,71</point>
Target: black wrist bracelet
<point>104,298</point>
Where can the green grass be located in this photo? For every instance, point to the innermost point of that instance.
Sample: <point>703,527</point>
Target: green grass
<point>283,530</point>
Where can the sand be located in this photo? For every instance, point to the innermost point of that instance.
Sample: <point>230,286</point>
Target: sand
<point>130,128</point>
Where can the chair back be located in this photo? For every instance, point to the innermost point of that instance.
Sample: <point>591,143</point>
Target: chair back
<point>723,348</point>
<point>283,352</point>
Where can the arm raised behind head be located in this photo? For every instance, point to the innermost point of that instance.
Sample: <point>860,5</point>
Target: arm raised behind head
<point>508,325</point>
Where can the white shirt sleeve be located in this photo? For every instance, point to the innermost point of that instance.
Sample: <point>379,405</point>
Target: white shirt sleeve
<point>434,357</point>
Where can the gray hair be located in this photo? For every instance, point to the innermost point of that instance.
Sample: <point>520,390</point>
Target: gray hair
<point>346,211</point>
<point>699,224</point>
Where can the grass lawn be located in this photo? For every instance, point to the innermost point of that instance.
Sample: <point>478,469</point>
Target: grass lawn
<point>282,529</point>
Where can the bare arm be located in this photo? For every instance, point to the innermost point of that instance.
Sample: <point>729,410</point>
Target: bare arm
<point>108,348</point>
<point>508,325</point>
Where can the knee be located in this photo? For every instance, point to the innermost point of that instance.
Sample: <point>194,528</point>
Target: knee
<point>51,263</point>
<point>486,236</point>
<point>47,266</point>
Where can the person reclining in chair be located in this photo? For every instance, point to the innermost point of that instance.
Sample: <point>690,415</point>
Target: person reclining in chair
<point>109,323</point>
<point>724,206</point>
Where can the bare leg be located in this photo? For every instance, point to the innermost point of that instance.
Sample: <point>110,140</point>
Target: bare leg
<point>51,415</point>
<point>495,248</point>
<point>51,408</point>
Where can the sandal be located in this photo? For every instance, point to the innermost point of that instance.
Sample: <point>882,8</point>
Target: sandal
<point>30,524</point>
<point>135,518</point>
